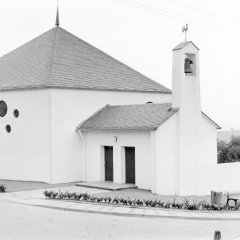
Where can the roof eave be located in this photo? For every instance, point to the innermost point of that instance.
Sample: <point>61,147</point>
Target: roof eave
<point>117,129</point>
<point>182,45</point>
<point>79,88</point>
<point>214,123</point>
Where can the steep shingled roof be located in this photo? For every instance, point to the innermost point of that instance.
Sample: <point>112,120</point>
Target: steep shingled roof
<point>145,116</point>
<point>59,59</point>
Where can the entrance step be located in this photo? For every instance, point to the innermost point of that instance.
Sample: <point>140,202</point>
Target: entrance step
<point>107,185</point>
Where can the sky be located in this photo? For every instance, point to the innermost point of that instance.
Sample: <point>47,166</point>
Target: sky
<point>142,34</point>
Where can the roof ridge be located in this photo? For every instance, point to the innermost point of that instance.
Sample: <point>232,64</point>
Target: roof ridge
<point>140,104</point>
<point>80,39</point>
<point>2,56</point>
<point>49,79</point>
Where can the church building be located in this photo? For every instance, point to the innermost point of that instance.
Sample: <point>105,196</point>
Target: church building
<point>70,112</point>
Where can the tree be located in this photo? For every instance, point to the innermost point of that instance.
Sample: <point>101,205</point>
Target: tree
<point>229,152</point>
<point>222,150</point>
<point>235,141</point>
<point>234,153</point>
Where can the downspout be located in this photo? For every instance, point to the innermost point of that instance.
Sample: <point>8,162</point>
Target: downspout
<point>84,154</point>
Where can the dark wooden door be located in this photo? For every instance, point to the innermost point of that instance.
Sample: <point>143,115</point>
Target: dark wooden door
<point>108,163</point>
<point>130,164</point>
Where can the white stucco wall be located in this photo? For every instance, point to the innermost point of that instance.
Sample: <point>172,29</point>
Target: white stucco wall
<point>202,174</point>
<point>205,174</point>
<point>25,152</point>
<point>186,97</point>
<point>209,174</point>
<point>166,169</point>
<point>43,144</point>
<point>95,140</point>
<point>69,108</point>
<point>227,177</point>
<point>30,152</point>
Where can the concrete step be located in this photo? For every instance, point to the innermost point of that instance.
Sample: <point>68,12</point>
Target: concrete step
<point>106,185</point>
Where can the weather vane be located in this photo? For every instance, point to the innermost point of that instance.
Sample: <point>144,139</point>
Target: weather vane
<point>184,29</point>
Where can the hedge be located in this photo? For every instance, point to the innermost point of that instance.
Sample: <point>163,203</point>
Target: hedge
<point>185,204</point>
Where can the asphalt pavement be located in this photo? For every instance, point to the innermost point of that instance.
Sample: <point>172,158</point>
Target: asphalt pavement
<point>26,222</point>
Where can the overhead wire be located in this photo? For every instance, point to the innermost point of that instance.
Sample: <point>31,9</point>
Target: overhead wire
<point>185,5</point>
<point>174,15</point>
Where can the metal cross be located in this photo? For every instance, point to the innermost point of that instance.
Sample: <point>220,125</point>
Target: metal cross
<point>184,29</point>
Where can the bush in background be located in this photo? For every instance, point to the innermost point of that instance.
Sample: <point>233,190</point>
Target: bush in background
<point>229,151</point>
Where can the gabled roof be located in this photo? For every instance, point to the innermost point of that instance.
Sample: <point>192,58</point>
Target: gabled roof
<point>59,59</point>
<point>131,117</point>
<point>183,44</point>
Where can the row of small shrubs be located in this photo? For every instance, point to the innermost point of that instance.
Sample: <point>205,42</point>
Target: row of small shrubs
<point>2,188</point>
<point>203,205</point>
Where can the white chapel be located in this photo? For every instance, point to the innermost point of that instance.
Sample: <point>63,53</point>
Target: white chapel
<point>70,112</point>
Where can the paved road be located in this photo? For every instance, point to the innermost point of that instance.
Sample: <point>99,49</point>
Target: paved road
<point>27,222</point>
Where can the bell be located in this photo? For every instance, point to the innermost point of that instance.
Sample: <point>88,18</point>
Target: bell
<point>187,67</point>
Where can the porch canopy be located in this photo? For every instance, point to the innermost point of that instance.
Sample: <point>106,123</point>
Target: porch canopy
<point>129,117</point>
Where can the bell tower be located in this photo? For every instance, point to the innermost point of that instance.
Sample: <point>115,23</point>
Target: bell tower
<point>186,97</point>
<point>185,75</point>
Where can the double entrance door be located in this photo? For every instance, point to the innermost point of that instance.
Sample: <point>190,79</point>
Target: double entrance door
<point>129,164</point>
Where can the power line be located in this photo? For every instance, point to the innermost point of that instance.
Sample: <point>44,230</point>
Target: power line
<point>174,15</point>
<point>167,13</point>
<point>183,4</point>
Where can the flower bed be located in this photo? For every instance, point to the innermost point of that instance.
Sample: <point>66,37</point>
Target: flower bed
<point>186,205</point>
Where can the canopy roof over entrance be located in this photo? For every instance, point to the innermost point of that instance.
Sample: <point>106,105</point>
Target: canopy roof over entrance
<point>144,116</point>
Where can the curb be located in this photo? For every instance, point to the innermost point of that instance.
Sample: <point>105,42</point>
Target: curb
<point>143,207</point>
<point>202,218</point>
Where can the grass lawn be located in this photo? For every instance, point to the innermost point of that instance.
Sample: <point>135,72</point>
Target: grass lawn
<point>147,195</point>
<point>16,186</point>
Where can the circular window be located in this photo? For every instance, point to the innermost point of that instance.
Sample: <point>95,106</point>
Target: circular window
<point>8,128</point>
<point>16,113</point>
<point>3,108</point>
